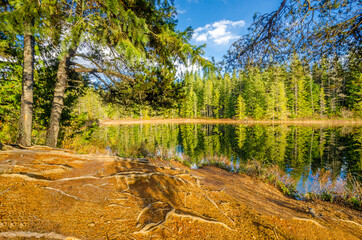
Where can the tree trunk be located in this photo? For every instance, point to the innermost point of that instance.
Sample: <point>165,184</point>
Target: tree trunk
<point>58,100</point>
<point>26,109</point>
<point>311,93</point>
<point>296,99</point>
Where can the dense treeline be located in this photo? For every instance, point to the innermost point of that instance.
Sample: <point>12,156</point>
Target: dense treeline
<point>328,88</point>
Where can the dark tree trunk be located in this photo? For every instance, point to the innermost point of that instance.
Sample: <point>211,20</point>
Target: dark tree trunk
<point>58,100</point>
<point>26,110</point>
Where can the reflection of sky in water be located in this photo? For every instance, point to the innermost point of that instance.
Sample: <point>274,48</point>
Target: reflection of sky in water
<point>194,166</point>
<point>179,152</point>
<point>304,185</point>
<point>311,183</point>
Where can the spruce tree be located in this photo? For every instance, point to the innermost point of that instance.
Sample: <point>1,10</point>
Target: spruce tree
<point>240,108</point>
<point>298,94</point>
<point>22,18</point>
<point>322,103</point>
<point>208,93</point>
<point>137,35</point>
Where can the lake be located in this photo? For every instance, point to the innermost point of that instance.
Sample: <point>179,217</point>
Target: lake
<point>301,151</point>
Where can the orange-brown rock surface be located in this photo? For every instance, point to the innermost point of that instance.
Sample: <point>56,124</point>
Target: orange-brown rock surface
<point>56,194</point>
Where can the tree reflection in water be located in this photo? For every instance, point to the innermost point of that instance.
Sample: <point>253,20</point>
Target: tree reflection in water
<point>299,151</point>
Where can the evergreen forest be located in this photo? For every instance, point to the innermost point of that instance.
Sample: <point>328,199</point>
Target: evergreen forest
<point>330,88</point>
<point>64,64</point>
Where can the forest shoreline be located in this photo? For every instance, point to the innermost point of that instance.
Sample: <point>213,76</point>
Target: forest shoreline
<point>299,122</point>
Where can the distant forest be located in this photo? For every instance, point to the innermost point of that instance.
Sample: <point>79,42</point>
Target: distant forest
<point>328,88</point>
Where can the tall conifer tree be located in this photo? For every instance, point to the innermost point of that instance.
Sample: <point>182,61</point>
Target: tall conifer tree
<point>21,17</point>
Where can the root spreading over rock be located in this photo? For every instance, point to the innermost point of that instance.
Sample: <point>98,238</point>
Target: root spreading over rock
<point>48,193</point>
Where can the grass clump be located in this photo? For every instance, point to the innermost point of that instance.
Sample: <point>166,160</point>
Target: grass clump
<point>347,191</point>
<point>271,174</point>
<point>268,173</point>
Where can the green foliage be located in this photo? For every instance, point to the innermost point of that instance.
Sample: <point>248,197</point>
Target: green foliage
<point>188,107</point>
<point>276,92</point>
<point>133,44</point>
<point>240,108</point>
<point>10,92</point>
<point>44,80</point>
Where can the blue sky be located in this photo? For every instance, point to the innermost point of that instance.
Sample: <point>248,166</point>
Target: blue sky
<point>218,23</point>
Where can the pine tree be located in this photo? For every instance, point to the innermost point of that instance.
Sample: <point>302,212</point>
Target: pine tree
<point>240,108</point>
<point>255,93</point>
<point>322,102</point>
<point>19,17</point>
<point>233,94</point>
<point>137,35</point>
<point>199,92</point>
<point>208,97</point>
<point>298,98</point>
<point>281,108</point>
<point>216,103</point>
<point>225,96</point>
<point>189,105</point>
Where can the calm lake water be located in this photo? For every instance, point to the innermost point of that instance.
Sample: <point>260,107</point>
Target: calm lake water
<point>299,151</point>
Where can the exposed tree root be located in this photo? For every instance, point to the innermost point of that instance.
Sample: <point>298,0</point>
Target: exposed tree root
<point>152,226</point>
<point>76,178</point>
<point>55,164</point>
<point>147,174</point>
<point>308,220</point>
<point>130,173</point>
<point>217,207</point>
<point>182,214</point>
<point>123,220</point>
<point>42,147</point>
<point>275,232</point>
<point>51,235</point>
<point>34,177</point>
<point>23,176</point>
<point>55,151</point>
<point>142,211</point>
<point>123,192</point>
<point>177,213</point>
<point>64,193</point>
<point>348,221</point>
<point>221,190</point>
<point>183,174</point>
<point>117,205</point>
<point>119,199</point>
<point>141,160</point>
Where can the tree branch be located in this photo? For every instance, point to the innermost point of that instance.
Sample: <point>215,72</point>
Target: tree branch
<point>82,69</point>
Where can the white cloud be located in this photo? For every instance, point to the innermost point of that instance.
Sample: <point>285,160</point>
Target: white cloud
<point>240,23</point>
<point>225,40</point>
<point>180,11</point>
<point>201,38</point>
<point>219,33</point>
